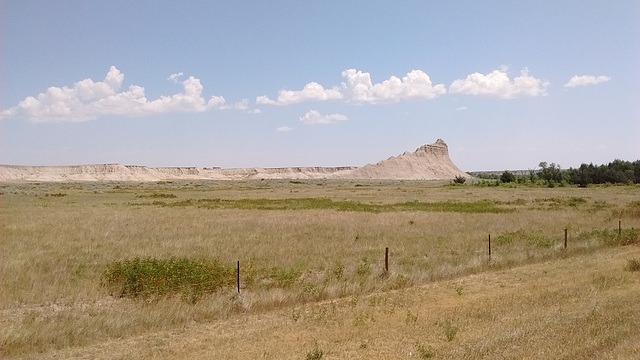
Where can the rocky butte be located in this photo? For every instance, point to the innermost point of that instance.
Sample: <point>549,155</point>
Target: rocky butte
<point>428,162</point>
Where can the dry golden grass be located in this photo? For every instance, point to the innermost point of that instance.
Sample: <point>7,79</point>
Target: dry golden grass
<point>55,249</point>
<point>580,307</point>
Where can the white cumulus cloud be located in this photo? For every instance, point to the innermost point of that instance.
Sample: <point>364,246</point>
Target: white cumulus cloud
<point>311,92</point>
<point>88,100</point>
<point>313,117</point>
<point>264,100</point>
<point>585,80</point>
<point>175,77</point>
<point>416,85</point>
<point>240,105</point>
<point>498,84</point>
<point>358,88</point>
<point>284,129</point>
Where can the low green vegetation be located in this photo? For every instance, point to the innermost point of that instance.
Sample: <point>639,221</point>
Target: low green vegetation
<point>424,351</point>
<point>631,210</point>
<point>450,330</point>
<point>157,196</point>
<point>633,265</point>
<point>556,202</point>
<point>190,278</point>
<point>150,277</point>
<point>480,206</point>
<point>536,237</point>
<point>59,194</point>
<point>530,237</point>
<point>315,354</point>
<point>611,237</point>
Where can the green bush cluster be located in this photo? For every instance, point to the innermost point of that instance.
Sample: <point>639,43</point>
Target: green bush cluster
<point>149,277</point>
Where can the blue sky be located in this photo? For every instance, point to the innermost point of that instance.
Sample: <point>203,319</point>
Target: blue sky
<point>507,84</point>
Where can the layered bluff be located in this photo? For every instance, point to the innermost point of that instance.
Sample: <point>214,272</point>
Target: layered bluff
<point>428,162</point>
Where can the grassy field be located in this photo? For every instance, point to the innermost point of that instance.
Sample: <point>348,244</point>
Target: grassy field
<point>313,282</point>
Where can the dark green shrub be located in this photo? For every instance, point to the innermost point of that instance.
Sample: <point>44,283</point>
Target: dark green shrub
<point>459,179</point>
<point>149,277</point>
<point>507,177</point>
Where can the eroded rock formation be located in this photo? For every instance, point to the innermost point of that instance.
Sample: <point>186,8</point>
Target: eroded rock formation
<point>428,162</point>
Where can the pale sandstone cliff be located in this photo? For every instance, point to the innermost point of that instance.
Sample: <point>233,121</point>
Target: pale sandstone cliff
<point>428,162</point>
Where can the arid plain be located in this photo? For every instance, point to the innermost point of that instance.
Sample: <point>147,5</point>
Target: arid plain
<point>313,282</point>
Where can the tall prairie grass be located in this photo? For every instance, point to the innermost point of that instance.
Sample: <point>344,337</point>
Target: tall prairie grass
<point>297,242</point>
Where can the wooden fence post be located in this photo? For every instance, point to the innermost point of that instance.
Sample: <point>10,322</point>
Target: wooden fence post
<point>238,276</point>
<point>565,237</point>
<point>489,247</point>
<point>386,260</point>
<point>619,227</point>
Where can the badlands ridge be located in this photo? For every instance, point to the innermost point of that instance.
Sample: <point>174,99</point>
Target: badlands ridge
<point>428,162</point>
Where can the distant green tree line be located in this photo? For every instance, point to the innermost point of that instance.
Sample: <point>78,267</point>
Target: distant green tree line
<point>616,172</point>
